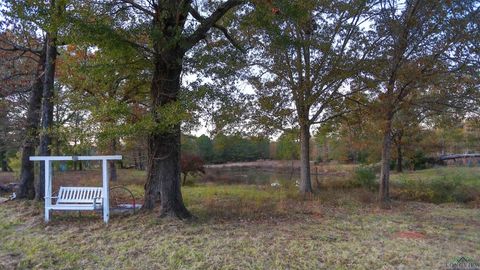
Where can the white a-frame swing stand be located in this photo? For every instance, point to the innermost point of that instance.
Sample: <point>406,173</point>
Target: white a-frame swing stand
<point>77,198</point>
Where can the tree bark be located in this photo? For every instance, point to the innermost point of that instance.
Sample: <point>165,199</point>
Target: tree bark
<point>325,150</point>
<point>112,167</point>
<point>399,158</point>
<point>305,181</point>
<point>163,175</point>
<point>113,171</point>
<point>184,178</point>
<point>26,188</point>
<point>135,163</point>
<point>3,158</point>
<point>141,165</point>
<point>163,164</point>
<point>384,193</point>
<point>47,111</point>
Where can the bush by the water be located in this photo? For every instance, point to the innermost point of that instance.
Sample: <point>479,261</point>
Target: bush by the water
<point>364,176</point>
<point>440,185</point>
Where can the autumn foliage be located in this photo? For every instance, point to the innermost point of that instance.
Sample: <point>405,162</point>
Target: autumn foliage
<point>191,165</point>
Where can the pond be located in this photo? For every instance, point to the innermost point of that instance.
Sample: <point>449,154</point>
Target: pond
<point>264,176</point>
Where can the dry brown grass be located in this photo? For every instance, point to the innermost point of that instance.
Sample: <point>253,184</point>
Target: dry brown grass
<point>242,227</point>
<point>327,232</point>
<point>7,177</point>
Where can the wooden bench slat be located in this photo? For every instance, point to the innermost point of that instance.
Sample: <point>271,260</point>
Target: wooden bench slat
<point>78,198</point>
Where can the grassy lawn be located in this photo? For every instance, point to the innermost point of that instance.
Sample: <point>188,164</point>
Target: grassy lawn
<point>246,227</point>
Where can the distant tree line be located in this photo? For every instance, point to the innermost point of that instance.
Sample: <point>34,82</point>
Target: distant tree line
<point>223,148</point>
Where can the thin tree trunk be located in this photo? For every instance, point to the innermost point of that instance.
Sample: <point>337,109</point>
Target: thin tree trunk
<point>399,158</point>
<point>26,188</point>
<point>305,181</point>
<point>113,171</point>
<point>163,176</point>
<point>57,139</point>
<point>3,158</point>
<point>141,164</point>
<point>184,178</point>
<point>47,111</point>
<point>325,150</point>
<point>316,178</point>
<point>384,193</point>
<point>113,168</point>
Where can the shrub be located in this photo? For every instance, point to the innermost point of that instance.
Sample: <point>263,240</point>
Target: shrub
<point>419,160</point>
<point>191,165</point>
<point>364,176</point>
<point>444,186</point>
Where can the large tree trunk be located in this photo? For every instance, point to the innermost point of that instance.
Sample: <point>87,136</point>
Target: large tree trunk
<point>305,181</point>
<point>163,176</point>
<point>47,111</point>
<point>163,171</point>
<point>26,189</point>
<point>384,193</point>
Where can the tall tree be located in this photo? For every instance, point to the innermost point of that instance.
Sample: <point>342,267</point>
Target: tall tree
<point>160,32</point>
<point>47,109</point>
<point>26,188</point>
<point>54,10</point>
<point>303,54</point>
<point>25,66</point>
<point>420,42</point>
<point>107,83</point>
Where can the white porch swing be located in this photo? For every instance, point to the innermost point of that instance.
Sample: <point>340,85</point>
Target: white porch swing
<point>77,198</point>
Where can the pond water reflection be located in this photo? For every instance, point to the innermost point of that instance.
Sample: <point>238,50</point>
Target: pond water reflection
<point>263,176</point>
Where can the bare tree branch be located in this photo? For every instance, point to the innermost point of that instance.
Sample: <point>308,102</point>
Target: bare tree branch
<point>224,30</point>
<point>139,7</point>
<point>208,23</point>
